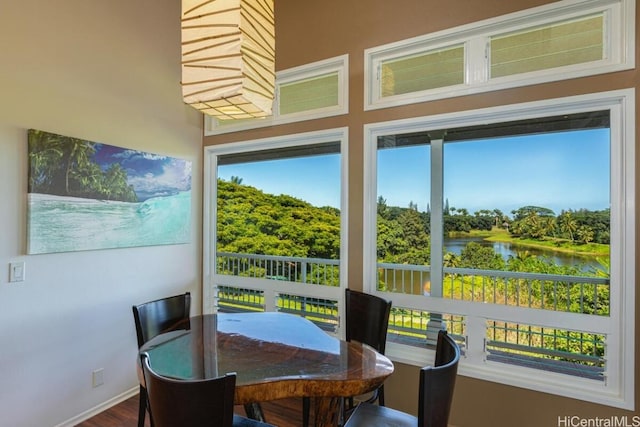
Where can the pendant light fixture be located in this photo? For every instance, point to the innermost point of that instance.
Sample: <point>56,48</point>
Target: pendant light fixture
<point>228,57</point>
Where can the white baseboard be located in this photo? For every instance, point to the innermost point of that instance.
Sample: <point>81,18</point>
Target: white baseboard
<point>99,408</point>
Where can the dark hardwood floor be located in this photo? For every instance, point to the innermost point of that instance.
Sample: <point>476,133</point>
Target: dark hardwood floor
<point>281,413</point>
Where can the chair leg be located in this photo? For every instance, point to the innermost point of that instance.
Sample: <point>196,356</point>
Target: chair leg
<point>381,395</point>
<point>350,403</point>
<point>254,411</point>
<point>341,412</point>
<point>306,405</point>
<point>142,406</point>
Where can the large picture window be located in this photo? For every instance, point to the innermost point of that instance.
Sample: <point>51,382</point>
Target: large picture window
<point>511,228</point>
<point>274,238</point>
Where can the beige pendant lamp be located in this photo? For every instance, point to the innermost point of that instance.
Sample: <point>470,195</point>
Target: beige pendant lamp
<point>228,57</point>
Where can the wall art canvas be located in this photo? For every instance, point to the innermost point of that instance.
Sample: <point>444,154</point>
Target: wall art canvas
<point>86,195</point>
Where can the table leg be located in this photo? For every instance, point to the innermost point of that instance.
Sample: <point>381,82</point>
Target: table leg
<point>327,411</point>
<point>254,411</point>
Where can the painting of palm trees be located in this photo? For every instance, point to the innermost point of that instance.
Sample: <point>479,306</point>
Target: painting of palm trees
<point>86,195</point>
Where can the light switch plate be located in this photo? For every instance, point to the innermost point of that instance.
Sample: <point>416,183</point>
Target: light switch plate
<point>16,271</point>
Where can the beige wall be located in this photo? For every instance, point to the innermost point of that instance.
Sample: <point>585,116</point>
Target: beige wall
<point>308,31</point>
<point>106,71</point>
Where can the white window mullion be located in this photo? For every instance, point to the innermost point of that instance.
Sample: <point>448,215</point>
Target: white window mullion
<point>475,339</point>
<point>437,206</point>
<point>477,61</point>
<point>210,197</point>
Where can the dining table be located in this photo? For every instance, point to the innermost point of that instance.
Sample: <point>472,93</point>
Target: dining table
<point>274,355</point>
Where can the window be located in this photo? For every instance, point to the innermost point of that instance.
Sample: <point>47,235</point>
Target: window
<point>513,228</point>
<point>311,91</point>
<point>555,45</point>
<point>275,239</point>
<point>561,40</point>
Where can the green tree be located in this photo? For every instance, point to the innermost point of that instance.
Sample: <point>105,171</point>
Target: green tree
<point>585,234</point>
<point>568,224</point>
<point>382,208</point>
<point>474,255</point>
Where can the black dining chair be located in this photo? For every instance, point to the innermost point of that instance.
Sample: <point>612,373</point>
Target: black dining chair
<point>193,403</point>
<point>366,321</point>
<point>153,318</point>
<point>435,394</point>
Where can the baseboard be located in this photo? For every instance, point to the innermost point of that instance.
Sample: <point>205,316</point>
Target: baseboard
<point>99,408</point>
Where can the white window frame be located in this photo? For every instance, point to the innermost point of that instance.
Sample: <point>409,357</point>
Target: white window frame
<point>618,389</point>
<point>271,287</point>
<point>619,27</point>
<point>338,64</point>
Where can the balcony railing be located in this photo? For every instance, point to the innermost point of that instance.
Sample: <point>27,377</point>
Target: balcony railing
<point>575,294</point>
<point>552,349</point>
<point>293,269</point>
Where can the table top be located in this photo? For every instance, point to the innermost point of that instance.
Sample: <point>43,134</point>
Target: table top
<point>274,355</point>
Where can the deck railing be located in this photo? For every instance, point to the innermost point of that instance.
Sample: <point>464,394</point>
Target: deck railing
<point>552,349</point>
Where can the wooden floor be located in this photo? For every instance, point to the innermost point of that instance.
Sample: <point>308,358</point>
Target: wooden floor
<point>281,413</point>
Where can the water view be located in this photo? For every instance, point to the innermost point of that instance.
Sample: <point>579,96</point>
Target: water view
<point>455,245</point>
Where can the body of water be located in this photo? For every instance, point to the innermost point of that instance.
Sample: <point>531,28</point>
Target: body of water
<point>506,249</point>
<point>63,224</point>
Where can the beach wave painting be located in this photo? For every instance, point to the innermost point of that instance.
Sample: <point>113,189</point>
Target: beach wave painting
<point>85,195</point>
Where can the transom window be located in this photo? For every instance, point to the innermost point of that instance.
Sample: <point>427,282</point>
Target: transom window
<point>310,91</point>
<point>561,40</point>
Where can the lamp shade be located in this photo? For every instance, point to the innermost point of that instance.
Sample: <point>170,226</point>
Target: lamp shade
<point>228,57</point>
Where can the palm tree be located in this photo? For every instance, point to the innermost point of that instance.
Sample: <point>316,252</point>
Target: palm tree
<point>568,224</point>
<point>46,151</point>
<point>585,233</point>
<point>79,158</point>
<point>499,217</point>
<point>116,182</point>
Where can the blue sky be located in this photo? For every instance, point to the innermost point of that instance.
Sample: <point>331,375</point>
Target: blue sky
<point>150,174</point>
<point>313,179</point>
<point>566,170</point>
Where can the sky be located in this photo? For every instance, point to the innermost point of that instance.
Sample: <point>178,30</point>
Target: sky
<point>150,174</point>
<point>313,179</point>
<point>560,171</point>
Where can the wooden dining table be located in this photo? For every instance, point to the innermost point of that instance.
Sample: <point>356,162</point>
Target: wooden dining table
<point>274,355</point>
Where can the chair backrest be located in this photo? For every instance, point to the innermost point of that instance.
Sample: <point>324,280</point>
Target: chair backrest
<point>367,319</point>
<point>155,317</point>
<point>189,403</point>
<point>437,384</point>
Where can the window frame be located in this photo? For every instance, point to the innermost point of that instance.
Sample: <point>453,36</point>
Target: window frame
<point>338,64</point>
<point>619,39</point>
<point>271,287</point>
<point>618,389</point>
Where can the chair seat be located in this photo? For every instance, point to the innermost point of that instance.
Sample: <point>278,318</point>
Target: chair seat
<point>239,421</point>
<point>368,415</point>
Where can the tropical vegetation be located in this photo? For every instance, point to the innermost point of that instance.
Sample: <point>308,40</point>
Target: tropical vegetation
<point>253,222</point>
<point>63,166</point>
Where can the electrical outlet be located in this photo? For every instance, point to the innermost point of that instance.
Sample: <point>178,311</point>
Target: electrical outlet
<point>98,377</point>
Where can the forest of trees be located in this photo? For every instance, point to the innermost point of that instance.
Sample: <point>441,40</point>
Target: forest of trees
<point>404,235</point>
<point>63,166</point>
<point>252,222</point>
